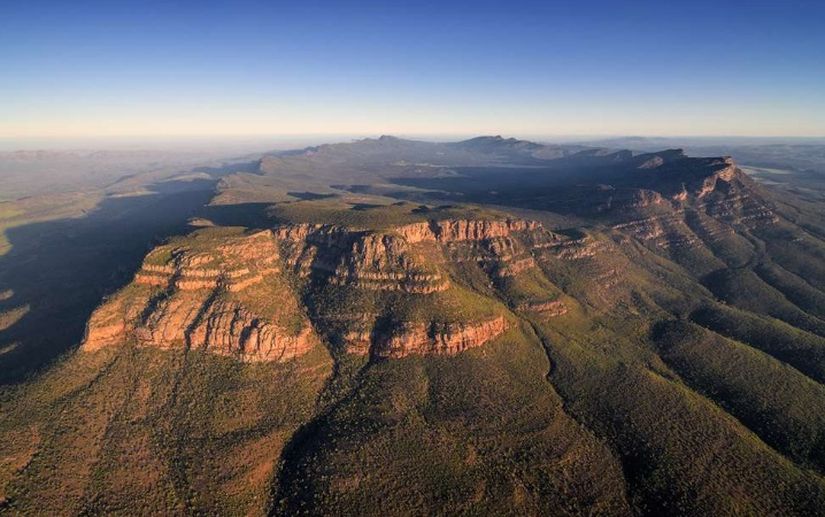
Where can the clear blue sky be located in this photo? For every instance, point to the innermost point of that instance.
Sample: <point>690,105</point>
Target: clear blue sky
<point>120,68</point>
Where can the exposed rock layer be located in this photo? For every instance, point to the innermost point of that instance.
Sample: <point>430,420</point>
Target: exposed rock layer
<point>198,297</point>
<point>438,339</point>
<point>208,291</point>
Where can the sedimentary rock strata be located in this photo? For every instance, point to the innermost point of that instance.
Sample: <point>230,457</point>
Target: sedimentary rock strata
<point>227,293</point>
<point>198,295</point>
<point>436,339</point>
<point>398,259</point>
<point>711,198</point>
<point>546,309</point>
<point>456,230</point>
<point>234,265</point>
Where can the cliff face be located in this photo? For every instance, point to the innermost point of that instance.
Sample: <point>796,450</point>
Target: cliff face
<point>457,230</point>
<point>420,338</point>
<point>406,258</point>
<point>670,183</point>
<point>386,262</point>
<point>207,294</point>
<point>408,266</point>
<point>546,309</point>
<point>693,210</point>
<point>715,186</point>
<point>438,339</point>
<point>359,259</point>
<point>234,266</point>
<point>231,294</point>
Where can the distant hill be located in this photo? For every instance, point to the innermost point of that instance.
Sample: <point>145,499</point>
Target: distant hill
<point>490,326</point>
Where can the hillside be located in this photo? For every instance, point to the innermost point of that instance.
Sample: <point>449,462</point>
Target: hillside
<point>491,326</point>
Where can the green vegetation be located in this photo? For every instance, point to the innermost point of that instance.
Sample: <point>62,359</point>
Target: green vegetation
<point>800,349</point>
<point>478,433</point>
<point>140,431</point>
<point>664,356</point>
<point>785,408</point>
<point>372,213</point>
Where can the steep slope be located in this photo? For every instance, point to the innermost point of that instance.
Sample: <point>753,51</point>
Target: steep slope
<point>211,290</point>
<point>130,430</point>
<point>481,432</point>
<point>147,359</point>
<point>214,289</point>
<point>634,334</point>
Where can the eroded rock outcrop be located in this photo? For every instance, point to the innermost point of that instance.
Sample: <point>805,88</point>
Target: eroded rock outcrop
<point>361,259</point>
<point>434,338</point>
<point>386,262</point>
<point>228,328</point>
<point>685,204</point>
<point>237,294</point>
<point>545,309</point>
<point>456,230</point>
<point>210,292</point>
<point>405,258</point>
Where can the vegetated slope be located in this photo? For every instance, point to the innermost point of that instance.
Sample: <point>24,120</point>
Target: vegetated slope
<point>372,295</point>
<point>352,352</point>
<point>132,430</point>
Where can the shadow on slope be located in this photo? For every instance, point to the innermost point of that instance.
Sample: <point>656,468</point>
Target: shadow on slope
<point>63,268</point>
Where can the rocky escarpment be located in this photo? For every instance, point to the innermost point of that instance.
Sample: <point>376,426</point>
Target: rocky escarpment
<point>418,338</point>
<point>234,265</point>
<point>359,259</point>
<point>716,186</point>
<point>545,309</point>
<point>502,248</point>
<point>458,230</point>
<point>258,296</point>
<point>669,180</point>
<point>212,292</point>
<point>406,258</point>
<point>411,261</point>
<point>441,339</point>
<point>684,206</point>
<point>386,262</point>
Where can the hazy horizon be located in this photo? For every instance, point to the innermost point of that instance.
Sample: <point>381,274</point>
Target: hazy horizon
<point>259,143</point>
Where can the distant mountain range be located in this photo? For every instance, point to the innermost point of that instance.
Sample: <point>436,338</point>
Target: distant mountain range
<point>490,326</point>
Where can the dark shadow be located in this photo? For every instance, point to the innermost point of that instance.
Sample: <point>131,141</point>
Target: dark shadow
<point>537,190</point>
<point>251,215</point>
<point>63,268</point>
<point>365,206</point>
<point>355,189</point>
<point>421,209</point>
<point>311,196</point>
<point>571,233</point>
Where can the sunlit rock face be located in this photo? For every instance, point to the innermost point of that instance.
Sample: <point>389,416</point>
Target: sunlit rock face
<point>209,294</point>
<point>231,294</point>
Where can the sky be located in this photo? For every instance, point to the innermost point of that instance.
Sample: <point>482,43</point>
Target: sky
<point>122,69</point>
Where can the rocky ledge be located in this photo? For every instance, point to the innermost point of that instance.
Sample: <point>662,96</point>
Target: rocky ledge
<point>407,258</point>
<point>412,338</point>
<point>209,294</point>
<point>243,294</point>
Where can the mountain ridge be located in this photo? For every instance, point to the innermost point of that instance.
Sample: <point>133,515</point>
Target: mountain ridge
<point>375,327</point>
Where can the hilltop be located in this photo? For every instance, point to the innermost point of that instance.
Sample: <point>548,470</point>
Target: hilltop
<point>487,326</point>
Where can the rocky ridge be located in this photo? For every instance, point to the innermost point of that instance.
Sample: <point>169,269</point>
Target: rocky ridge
<point>683,203</point>
<point>232,294</point>
<point>425,338</point>
<point>410,260</point>
<point>206,295</point>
